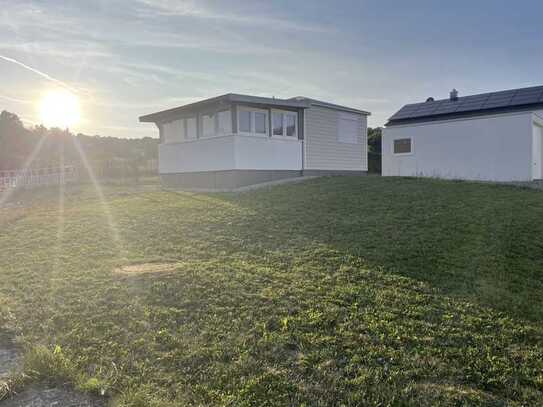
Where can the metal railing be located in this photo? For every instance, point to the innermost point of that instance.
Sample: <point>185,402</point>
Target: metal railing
<point>34,177</point>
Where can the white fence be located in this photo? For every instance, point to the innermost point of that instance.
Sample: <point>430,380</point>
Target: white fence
<point>37,177</point>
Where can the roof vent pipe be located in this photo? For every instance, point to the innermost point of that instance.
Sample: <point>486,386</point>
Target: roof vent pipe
<point>453,95</point>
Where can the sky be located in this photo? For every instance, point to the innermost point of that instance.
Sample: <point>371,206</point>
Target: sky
<point>125,58</point>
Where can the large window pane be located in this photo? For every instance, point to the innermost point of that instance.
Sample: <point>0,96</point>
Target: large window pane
<point>277,123</point>
<point>208,125</point>
<point>290,125</point>
<point>244,121</point>
<point>191,128</point>
<point>224,122</point>
<point>181,129</point>
<point>174,132</point>
<point>260,123</point>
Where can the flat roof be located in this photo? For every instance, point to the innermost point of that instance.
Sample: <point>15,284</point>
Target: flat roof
<point>299,102</point>
<point>468,106</point>
<point>230,98</point>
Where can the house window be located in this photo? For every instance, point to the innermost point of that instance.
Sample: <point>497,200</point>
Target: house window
<point>290,124</point>
<point>253,121</point>
<point>245,121</point>
<point>402,146</point>
<point>284,124</point>
<point>348,128</point>
<point>260,122</point>
<point>191,128</point>
<point>224,122</point>
<point>277,124</point>
<point>174,132</point>
<point>208,125</point>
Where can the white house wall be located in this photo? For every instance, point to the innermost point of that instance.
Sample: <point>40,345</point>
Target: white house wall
<point>497,148</point>
<point>322,149</point>
<point>210,154</point>
<point>232,152</point>
<point>265,153</point>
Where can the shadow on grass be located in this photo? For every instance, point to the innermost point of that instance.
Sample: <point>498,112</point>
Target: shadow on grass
<point>481,242</point>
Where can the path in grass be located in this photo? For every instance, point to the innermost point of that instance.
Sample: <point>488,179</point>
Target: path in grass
<point>339,290</point>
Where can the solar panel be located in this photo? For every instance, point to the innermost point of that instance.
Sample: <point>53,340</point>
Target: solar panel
<point>525,100</point>
<point>472,103</point>
<point>447,108</point>
<point>528,91</point>
<point>499,99</point>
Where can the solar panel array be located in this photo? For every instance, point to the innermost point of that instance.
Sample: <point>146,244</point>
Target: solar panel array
<point>485,101</point>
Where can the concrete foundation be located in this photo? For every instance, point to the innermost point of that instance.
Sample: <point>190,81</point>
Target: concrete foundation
<point>234,179</point>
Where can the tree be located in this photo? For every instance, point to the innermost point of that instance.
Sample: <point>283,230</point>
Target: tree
<point>374,149</point>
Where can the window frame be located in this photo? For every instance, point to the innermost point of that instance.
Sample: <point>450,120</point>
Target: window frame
<point>285,113</point>
<point>411,145</point>
<point>252,111</point>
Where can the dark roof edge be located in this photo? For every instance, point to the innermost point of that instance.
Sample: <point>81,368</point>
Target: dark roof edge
<point>315,102</point>
<point>476,113</point>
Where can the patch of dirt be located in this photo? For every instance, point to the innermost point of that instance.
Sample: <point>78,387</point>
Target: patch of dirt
<point>37,396</point>
<point>146,268</point>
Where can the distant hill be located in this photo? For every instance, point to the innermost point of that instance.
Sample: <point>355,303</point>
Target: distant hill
<point>51,147</point>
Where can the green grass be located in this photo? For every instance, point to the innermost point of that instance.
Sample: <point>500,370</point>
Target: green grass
<point>337,291</point>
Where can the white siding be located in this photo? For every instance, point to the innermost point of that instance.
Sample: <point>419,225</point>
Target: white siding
<point>493,148</point>
<point>323,151</point>
<point>537,152</point>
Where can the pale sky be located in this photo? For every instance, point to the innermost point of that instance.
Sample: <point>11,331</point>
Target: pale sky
<point>127,58</point>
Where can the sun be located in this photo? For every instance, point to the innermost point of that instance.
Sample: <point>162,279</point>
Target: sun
<point>59,108</point>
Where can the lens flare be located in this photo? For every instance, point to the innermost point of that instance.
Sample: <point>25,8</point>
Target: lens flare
<point>59,108</point>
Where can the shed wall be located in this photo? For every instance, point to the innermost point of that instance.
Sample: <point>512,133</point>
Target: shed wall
<point>496,148</point>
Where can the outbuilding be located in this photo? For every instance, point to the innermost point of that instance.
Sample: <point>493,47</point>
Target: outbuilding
<point>492,136</point>
<point>235,140</point>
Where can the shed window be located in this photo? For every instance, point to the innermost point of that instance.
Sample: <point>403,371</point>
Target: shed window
<point>402,146</point>
<point>348,128</point>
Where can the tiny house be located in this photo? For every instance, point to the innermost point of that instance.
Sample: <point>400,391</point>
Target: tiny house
<point>492,137</point>
<point>236,140</point>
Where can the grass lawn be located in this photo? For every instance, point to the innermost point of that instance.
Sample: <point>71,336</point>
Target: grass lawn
<point>337,291</point>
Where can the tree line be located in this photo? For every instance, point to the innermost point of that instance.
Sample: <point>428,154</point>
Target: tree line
<point>52,147</point>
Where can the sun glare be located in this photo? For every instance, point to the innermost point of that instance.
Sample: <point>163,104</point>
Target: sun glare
<point>59,108</point>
